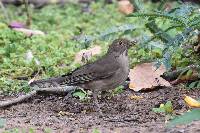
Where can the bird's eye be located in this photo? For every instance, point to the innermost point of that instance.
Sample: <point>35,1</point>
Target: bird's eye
<point>120,43</point>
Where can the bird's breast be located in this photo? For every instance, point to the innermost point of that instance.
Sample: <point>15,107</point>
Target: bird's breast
<point>124,62</point>
<point>120,75</point>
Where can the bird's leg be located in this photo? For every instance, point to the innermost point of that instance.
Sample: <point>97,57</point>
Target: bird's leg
<point>95,96</point>
<point>69,94</point>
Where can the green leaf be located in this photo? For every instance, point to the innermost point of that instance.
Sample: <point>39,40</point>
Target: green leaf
<point>2,122</point>
<point>164,108</point>
<point>186,118</point>
<point>166,60</point>
<point>47,130</point>
<point>80,94</point>
<point>158,110</point>
<point>95,130</point>
<point>31,130</point>
<point>158,15</point>
<point>198,85</point>
<point>118,90</point>
<point>168,107</point>
<point>116,29</point>
<point>193,85</point>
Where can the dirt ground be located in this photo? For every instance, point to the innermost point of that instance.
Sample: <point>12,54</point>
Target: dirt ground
<point>120,113</point>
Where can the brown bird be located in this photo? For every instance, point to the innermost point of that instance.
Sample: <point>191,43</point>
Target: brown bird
<point>106,73</point>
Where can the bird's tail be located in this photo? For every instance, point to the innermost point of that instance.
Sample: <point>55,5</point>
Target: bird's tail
<point>51,82</point>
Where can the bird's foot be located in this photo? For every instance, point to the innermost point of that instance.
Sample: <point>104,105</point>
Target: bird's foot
<point>69,94</point>
<point>98,109</point>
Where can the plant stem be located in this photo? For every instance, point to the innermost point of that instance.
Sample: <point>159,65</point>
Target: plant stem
<point>28,21</point>
<point>4,12</point>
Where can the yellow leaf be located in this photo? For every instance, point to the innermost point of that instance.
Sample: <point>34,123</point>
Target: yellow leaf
<point>131,85</point>
<point>134,97</point>
<point>162,105</point>
<point>192,102</point>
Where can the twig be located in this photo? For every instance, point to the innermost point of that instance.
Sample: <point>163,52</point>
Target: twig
<point>4,12</point>
<point>17,100</point>
<point>28,21</point>
<point>176,74</point>
<point>21,99</point>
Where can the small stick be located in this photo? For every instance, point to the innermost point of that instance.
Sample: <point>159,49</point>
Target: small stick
<point>5,12</point>
<point>28,21</point>
<point>21,99</point>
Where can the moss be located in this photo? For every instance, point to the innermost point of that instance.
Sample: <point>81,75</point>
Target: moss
<point>56,50</point>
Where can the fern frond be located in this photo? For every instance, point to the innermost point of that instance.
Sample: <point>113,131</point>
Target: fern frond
<point>173,27</point>
<point>137,4</point>
<point>180,38</point>
<point>195,22</point>
<point>172,45</point>
<point>159,33</point>
<point>166,60</point>
<point>158,15</point>
<point>162,3</point>
<point>86,39</point>
<point>116,29</point>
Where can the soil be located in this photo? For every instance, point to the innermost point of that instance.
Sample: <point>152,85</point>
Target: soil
<point>64,114</point>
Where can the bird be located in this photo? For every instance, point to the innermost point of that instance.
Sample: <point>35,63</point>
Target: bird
<point>106,73</point>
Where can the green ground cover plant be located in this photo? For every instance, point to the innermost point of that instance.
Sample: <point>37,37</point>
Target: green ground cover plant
<point>68,30</point>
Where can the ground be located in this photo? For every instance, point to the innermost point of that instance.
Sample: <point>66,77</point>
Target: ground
<point>120,113</point>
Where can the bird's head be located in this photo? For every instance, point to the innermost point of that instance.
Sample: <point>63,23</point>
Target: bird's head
<point>120,45</point>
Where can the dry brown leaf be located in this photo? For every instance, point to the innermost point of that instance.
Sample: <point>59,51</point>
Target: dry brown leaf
<point>145,76</point>
<point>29,32</point>
<point>134,97</point>
<point>64,113</point>
<point>125,7</point>
<point>84,55</point>
<point>197,47</point>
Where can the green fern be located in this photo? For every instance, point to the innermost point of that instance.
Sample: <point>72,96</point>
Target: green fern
<point>105,34</point>
<point>159,15</point>
<point>185,18</point>
<point>116,29</point>
<point>158,32</point>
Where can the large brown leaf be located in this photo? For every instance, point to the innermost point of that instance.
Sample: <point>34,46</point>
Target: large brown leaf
<point>145,76</point>
<point>84,55</point>
<point>125,6</point>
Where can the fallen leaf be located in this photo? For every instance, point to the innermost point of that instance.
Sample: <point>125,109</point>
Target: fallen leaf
<point>29,57</point>
<point>192,102</point>
<point>29,32</point>
<point>125,7</point>
<point>135,97</point>
<point>64,113</point>
<point>16,25</point>
<point>145,76</point>
<point>84,55</point>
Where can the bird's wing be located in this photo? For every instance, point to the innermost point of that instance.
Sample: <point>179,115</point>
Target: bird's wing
<point>100,69</point>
